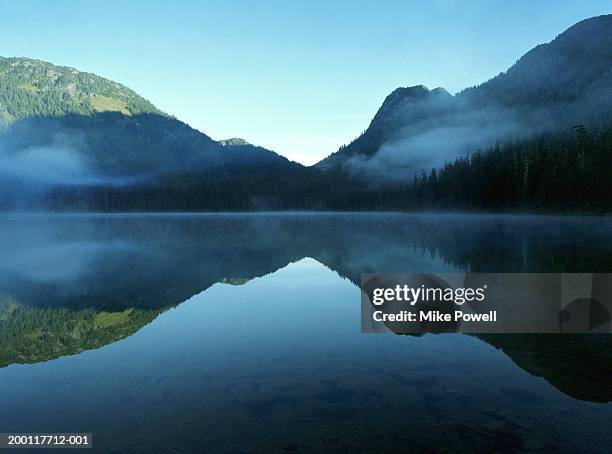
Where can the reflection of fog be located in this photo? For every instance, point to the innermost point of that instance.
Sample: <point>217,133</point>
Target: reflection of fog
<point>56,263</point>
<point>153,261</point>
<point>112,263</point>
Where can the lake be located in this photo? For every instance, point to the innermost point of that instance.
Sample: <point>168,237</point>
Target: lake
<point>241,333</point>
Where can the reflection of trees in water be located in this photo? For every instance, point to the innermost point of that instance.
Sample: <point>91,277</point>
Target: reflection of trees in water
<point>32,335</point>
<point>165,260</point>
<point>580,365</point>
<point>156,261</point>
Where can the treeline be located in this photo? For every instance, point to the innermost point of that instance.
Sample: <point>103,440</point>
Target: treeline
<point>569,172</point>
<point>309,190</point>
<point>562,173</point>
<point>30,334</point>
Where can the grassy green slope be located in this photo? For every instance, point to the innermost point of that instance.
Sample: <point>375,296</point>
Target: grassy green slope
<point>35,88</point>
<point>31,335</point>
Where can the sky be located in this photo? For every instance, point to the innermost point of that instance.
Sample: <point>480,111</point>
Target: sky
<point>299,77</point>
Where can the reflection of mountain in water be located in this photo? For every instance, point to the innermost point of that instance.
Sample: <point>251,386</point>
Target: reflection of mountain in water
<point>580,365</point>
<point>32,335</point>
<point>158,261</point>
<point>87,281</point>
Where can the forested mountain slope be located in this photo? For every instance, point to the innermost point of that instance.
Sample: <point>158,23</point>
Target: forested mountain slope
<point>552,88</point>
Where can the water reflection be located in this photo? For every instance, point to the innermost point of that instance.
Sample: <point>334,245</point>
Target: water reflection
<point>270,332</point>
<point>160,261</point>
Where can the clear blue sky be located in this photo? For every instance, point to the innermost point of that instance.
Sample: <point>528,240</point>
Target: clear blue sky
<point>299,77</point>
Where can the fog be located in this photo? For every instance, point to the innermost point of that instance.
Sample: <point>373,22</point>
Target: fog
<point>153,260</point>
<point>61,161</point>
<point>430,143</point>
<point>31,166</point>
<point>46,165</point>
<point>550,89</point>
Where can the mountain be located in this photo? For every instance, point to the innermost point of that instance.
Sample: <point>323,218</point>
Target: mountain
<point>31,88</point>
<point>551,88</point>
<point>409,106</point>
<point>112,145</point>
<point>65,128</point>
<point>536,137</point>
<point>576,67</point>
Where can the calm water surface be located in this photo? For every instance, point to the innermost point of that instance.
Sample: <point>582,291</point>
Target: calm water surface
<point>241,333</point>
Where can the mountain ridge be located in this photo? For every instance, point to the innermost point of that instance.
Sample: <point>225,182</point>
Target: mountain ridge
<point>61,125</point>
<point>554,85</point>
<point>74,141</point>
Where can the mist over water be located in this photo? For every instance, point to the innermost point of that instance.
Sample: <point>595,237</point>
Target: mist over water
<point>183,328</point>
<point>144,313</point>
